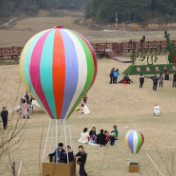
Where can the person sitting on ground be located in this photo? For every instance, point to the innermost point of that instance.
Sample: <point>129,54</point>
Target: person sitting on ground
<point>174,80</point>
<point>84,109</point>
<point>59,153</point>
<point>110,137</point>
<point>101,138</point>
<point>126,78</point>
<point>92,133</point>
<point>24,109</point>
<point>70,155</point>
<point>111,75</point>
<point>157,110</point>
<point>155,82</point>
<point>115,76</point>
<point>115,131</point>
<point>141,80</point>
<point>161,80</point>
<point>84,139</point>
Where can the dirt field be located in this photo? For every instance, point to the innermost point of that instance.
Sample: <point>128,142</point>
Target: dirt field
<point>123,105</point>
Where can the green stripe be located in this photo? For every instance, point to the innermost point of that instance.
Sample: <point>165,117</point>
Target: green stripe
<point>139,141</point>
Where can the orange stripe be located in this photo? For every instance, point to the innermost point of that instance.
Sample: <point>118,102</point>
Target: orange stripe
<point>58,72</point>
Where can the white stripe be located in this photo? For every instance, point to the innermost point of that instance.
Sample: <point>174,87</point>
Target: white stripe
<point>135,141</point>
<point>82,69</point>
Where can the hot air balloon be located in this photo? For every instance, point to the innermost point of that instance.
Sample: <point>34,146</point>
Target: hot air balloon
<point>134,140</point>
<point>58,66</point>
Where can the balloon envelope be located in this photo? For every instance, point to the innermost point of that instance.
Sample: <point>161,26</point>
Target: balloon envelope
<point>58,66</point>
<point>134,140</point>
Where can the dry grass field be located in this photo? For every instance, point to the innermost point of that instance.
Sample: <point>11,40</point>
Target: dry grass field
<point>123,105</point>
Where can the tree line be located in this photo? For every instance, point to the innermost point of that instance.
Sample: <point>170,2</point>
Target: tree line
<point>129,10</point>
<point>10,7</point>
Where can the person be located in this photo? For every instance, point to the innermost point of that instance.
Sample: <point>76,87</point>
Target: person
<point>110,137</point>
<point>24,109</point>
<point>21,102</point>
<point>134,43</point>
<point>115,131</point>
<point>101,138</point>
<point>92,133</point>
<point>141,80</point>
<point>58,153</point>
<point>166,73</point>
<point>82,156</point>
<point>26,97</point>
<point>155,82</point>
<point>161,80</point>
<point>111,75</point>
<point>130,42</point>
<point>70,155</point>
<point>84,139</point>
<point>4,116</point>
<point>85,99</point>
<point>84,109</point>
<point>115,76</point>
<point>174,80</point>
<point>126,78</point>
<point>157,110</point>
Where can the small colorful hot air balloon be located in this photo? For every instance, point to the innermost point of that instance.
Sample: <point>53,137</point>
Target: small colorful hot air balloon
<point>134,140</point>
<point>58,66</point>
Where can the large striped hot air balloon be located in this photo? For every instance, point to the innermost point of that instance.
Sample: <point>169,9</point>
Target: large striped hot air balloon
<point>134,140</point>
<point>58,66</point>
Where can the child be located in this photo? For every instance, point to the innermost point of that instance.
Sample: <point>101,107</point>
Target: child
<point>161,80</point>
<point>115,131</point>
<point>141,80</point>
<point>115,76</point>
<point>92,133</point>
<point>109,138</point>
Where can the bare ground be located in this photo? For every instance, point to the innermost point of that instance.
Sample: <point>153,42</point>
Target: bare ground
<point>123,105</point>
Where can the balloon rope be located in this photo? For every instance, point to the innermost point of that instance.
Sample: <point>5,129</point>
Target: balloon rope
<point>65,140</point>
<point>137,158</point>
<point>62,131</point>
<point>46,141</point>
<point>52,137</point>
<point>56,144</point>
<point>71,136</point>
<point>154,164</point>
<point>19,168</point>
<point>130,158</point>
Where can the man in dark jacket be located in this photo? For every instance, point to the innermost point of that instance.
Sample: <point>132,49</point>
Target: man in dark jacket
<point>4,116</point>
<point>82,156</point>
<point>155,82</point>
<point>101,138</point>
<point>70,155</point>
<point>141,80</point>
<point>174,80</point>
<point>59,154</point>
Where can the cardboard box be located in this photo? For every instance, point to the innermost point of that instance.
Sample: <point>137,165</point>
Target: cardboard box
<point>134,167</point>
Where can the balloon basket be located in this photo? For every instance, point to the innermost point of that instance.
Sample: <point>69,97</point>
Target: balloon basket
<point>59,169</point>
<point>134,167</point>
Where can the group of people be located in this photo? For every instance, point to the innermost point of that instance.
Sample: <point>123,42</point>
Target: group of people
<point>62,156</point>
<point>157,79</point>
<point>114,76</point>
<point>102,138</point>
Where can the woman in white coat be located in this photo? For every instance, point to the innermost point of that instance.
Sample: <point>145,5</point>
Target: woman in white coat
<point>157,110</point>
<point>84,139</point>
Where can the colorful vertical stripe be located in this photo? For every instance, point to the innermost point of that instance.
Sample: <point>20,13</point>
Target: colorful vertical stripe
<point>58,66</point>
<point>134,140</point>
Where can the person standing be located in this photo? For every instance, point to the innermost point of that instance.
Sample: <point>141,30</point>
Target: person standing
<point>141,80</point>
<point>111,75</point>
<point>24,109</point>
<point>174,80</point>
<point>155,82</point>
<point>4,116</point>
<point>82,156</point>
<point>85,99</point>
<point>115,76</point>
<point>161,80</point>
<point>166,73</point>
<point>26,97</point>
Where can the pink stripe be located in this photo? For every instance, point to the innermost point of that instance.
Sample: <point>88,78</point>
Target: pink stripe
<point>35,71</point>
